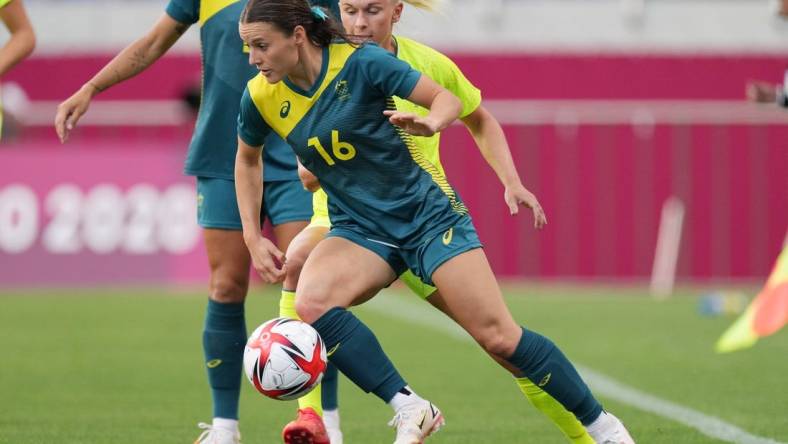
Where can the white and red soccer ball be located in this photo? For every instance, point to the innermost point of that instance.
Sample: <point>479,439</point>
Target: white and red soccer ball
<point>285,359</point>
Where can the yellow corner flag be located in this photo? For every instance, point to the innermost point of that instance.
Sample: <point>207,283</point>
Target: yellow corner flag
<point>767,313</point>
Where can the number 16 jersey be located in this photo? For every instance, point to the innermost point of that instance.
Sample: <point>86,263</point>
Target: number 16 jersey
<point>377,180</point>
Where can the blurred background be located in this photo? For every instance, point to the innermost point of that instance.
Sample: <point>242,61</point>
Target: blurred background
<point>627,118</point>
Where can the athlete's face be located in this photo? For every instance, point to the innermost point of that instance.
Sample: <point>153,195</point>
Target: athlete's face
<point>270,50</point>
<point>370,19</point>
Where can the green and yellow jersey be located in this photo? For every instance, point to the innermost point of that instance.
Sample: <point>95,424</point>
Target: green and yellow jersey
<point>442,70</point>
<point>225,72</point>
<point>376,178</point>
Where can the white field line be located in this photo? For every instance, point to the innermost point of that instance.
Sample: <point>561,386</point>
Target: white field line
<point>395,306</point>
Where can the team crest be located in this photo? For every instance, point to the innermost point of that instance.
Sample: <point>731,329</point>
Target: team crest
<point>342,90</point>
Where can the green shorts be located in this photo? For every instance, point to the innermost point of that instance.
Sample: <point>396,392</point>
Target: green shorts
<point>283,201</point>
<point>422,260</point>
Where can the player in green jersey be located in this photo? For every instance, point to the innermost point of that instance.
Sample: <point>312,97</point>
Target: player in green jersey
<point>22,41</point>
<point>211,158</point>
<point>390,208</point>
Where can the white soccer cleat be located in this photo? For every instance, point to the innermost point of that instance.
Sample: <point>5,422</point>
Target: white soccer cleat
<point>215,435</point>
<point>610,431</point>
<point>414,422</point>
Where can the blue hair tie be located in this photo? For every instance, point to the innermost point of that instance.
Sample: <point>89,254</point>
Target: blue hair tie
<point>319,14</point>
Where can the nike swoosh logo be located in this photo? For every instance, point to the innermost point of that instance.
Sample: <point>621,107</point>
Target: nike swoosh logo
<point>333,349</point>
<point>545,380</point>
<point>213,363</point>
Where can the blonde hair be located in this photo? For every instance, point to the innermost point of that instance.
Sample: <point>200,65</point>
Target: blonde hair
<point>429,5</point>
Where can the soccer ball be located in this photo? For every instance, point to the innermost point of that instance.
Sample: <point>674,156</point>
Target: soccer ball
<point>284,359</point>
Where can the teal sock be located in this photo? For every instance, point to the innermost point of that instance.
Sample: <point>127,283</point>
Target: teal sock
<point>330,394</point>
<point>356,352</point>
<point>223,342</point>
<point>544,364</point>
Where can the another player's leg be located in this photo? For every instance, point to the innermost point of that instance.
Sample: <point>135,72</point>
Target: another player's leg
<point>289,209</point>
<point>308,424</point>
<point>562,418</point>
<point>330,402</point>
<point>472,295</point>
<point>224,332</point>
<point>323,294</point>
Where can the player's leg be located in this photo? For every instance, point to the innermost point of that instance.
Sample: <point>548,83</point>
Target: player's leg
<point>307,424</point>
<point>560,416</point>
<point>224,333</point>
<point>330,403</point>
<point>459,268</point>
<point>289,208</point>
<point>343,270</point>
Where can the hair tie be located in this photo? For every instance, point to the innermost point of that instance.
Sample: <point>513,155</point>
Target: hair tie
<point>318,13</point>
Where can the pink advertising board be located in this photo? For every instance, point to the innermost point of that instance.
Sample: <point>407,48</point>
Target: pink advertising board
<point>97,214</point>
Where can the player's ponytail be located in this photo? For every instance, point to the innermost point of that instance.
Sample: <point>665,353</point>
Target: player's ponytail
<point>320,27</point>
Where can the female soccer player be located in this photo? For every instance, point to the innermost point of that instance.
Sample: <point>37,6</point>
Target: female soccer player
<point>22,41</point>
<point>211,159</point>
<point>390,209</point>
<point>374,20</point>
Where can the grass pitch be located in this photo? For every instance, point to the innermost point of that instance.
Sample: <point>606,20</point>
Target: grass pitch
<point>125,366</point>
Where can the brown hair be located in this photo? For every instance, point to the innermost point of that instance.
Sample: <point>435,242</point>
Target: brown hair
<point>321,28</point>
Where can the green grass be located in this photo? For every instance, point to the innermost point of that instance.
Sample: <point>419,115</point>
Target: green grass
<point>125,366</point>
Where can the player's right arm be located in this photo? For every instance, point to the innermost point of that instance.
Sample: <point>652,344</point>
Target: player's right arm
<point>134,59</point>
<point>23,38</point>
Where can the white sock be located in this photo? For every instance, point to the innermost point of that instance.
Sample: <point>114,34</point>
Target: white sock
<point>600,425</point>
<point>402,399</point>
<point>226,424</point>
<point>331,418</point>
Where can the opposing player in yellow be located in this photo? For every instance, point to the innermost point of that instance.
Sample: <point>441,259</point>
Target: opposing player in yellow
<point>22,41</point>
<point>373,20</point>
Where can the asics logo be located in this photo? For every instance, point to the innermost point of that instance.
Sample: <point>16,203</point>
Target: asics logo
<point>285,109</point>
<point>447,236</point>
<point>545,380</point>
<point>213,363</point>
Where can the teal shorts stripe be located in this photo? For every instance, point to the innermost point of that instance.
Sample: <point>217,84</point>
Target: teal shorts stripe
<point>283,201</point>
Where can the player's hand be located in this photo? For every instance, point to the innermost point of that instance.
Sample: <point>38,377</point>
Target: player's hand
<point>71,110</point>
<point>267,260</point>
<point>518,195</point>
<point>412,123</point>
<point>761,92</point>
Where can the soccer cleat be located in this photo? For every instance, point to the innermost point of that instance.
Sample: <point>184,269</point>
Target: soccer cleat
<point>215,435</point>
<point>416,421</point>
<point>611,432</point>
<point>307,428</point>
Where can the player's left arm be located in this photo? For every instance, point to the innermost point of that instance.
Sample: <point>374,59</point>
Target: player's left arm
<point>444,108</point>
<point>23,38</point>
<point>490,139</point>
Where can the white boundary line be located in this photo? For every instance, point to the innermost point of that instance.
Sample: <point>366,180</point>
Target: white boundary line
<point>394,306</point>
